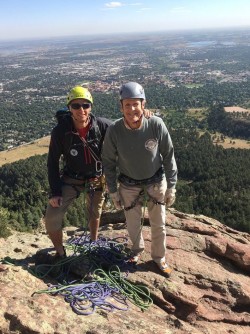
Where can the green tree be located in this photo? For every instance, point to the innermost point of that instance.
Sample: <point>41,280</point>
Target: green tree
<point>4,217</point>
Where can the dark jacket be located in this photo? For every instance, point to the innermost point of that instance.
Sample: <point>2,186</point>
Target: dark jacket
<point>80,161</point>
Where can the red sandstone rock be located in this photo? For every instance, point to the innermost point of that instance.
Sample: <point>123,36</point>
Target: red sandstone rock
<point>208,292</point>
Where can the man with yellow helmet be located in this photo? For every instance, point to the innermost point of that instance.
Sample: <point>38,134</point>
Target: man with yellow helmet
<point>78,139</point>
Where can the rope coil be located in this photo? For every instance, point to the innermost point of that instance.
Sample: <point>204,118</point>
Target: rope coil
<point>108,289</point>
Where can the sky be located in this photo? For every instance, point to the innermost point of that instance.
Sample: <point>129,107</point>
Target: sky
<point>25,19</point>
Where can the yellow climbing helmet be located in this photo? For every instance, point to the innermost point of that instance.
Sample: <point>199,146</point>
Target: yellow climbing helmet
<point>79,92</point>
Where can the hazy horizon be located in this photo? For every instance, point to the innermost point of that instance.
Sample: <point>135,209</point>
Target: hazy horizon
<point>27,19</point>
<point>101,36</point>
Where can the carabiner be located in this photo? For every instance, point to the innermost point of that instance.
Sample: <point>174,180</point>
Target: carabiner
<point>98,166</point>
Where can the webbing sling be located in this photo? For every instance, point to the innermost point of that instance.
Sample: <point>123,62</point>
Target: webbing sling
<point>136,200</point>
<point>98,164</point>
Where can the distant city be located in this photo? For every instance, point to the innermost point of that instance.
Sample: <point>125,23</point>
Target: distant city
<point>36,75</point>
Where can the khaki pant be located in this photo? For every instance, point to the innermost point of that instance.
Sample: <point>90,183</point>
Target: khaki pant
<point>157,216</point>
<point>70,190</point>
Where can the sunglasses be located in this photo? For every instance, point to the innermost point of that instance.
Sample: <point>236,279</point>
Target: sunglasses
<point>78,105</point>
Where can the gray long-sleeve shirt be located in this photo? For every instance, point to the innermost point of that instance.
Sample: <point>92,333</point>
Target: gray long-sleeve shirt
<point>138,153</point>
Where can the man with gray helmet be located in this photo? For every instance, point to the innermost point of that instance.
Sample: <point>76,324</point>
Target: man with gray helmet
<point>142,151</point>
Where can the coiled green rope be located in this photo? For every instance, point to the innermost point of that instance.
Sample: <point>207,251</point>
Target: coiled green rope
<point>88,294</point>
<point>85,297</point>
<point>139,295</point>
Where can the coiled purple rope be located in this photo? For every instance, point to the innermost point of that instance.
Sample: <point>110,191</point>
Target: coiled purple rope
<point>106,291</point>
<point>86,297</point>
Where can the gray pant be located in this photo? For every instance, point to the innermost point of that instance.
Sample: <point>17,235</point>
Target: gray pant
<point>157,216</point>
<point>94,203</point>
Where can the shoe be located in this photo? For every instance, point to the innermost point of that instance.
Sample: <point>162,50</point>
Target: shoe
<point>58,265</point>
<point>44,257</point>
<point>135,258</point>
<point>50,265</point>
<point>164,268</point>
<point>57,259</point>
<point>60,257</point>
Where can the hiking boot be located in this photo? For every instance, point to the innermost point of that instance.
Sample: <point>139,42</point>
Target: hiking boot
<point>164,268</point>
<point>134,259</point>
<point>57,257</point>
<point>57,265</point>
<point>49,265</point>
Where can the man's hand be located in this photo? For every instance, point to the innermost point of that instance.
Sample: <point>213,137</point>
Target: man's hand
<point>55,201</point>
<point>147,113</point>
<point>116,200</point>
<point>170,197</point>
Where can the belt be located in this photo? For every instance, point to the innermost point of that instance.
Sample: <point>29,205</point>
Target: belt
<point>80,176</point>
<point>92,184</point>
<point>77,182</point>
<point>128,181</point>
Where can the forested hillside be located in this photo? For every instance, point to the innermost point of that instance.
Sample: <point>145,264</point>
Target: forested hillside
<point>28,121</point>
<point>234,125</point>
<point>212,181</point>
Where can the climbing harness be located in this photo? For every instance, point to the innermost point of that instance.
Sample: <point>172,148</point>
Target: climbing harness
<point>147,198</point>
<point>92,184</point>
<point>156,178</point>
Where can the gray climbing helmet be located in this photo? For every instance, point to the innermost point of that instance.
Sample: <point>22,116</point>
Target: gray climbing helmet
<point>132,90</point>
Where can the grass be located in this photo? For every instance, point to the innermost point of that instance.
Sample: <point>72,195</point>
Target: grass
<point>231,142</point>
<point>198,113</point>
<point>235,143</point>
<point>193,85</point>
<point>37,147</point>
